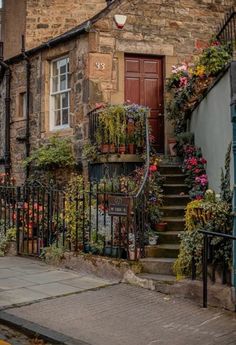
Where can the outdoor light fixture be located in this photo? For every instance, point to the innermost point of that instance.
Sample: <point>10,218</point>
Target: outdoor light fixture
<point>120,20</point>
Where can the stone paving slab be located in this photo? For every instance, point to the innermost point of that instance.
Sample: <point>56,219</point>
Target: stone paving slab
<point>24,280</point>
<point>124,314</point>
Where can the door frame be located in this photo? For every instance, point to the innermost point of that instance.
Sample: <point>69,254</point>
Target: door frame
<point>163,59</point>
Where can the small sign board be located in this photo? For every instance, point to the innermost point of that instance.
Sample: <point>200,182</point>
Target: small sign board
<point>118,205</point>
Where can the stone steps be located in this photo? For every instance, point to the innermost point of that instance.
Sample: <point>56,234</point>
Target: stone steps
<point>165,250</point>
<point>174,223</point>
<point>158,265</point>
<point>171,237</point>
<point>175,200</point>
<point>168,169</point>
<point>179,189</point>
<point>173,211</point>
<point>176,178</point>
<point>158,278</point>
<point>160,258</point>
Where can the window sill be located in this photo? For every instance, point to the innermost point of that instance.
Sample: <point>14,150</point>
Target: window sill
<point>61,132</point>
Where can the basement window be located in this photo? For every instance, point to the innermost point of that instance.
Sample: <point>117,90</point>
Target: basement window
<point>60,94</point>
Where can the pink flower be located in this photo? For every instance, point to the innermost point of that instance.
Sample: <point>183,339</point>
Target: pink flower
<point>183,81</point>
<point>153,168</point>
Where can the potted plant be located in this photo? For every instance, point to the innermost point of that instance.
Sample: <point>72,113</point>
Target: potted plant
<point>161,226</point>
<point>152,237</point>
<point>131,143</point>
<point>122,139</point>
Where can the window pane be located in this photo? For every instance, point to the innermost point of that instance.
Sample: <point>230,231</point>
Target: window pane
<point>57,117</point>
<point>63,85</point>
<point>57,102</point>
<point>55,69</point>
<point>55,84</point>
<point>65,116</point>
<point>65,100</point>
<point>63,64</point>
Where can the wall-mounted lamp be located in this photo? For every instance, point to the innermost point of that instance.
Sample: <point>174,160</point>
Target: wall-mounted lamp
<point>120,20</point>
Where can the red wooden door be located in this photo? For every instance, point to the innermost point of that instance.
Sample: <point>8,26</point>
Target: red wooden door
<point>144,86</point>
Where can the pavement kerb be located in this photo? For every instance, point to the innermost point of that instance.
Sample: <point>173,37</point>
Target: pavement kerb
<point>33,329</point>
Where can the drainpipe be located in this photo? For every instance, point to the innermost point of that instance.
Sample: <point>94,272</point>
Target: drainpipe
<point>233,120</point>
<point>7,149</point>
<point>27,132</point>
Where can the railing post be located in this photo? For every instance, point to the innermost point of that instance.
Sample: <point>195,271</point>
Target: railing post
<point>233,120</point>
<point>18,195</point>
<point>204,269</point>
<point>193,267</point>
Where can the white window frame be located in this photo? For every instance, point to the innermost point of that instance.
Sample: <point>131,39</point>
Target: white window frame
<point>52,94</point>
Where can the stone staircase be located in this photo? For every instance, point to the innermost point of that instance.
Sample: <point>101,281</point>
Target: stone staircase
<point>158,263</point>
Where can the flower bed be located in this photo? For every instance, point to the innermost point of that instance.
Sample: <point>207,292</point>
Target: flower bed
<point>189,82</point>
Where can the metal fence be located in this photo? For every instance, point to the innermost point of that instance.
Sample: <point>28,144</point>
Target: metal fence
<point>208,259</point>
<point>111,224</point>
<point>227,30</point>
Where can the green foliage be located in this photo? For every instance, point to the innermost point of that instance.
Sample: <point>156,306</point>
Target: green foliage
<point>57,153</point>
<point>53,254</point>
<point>89,152</point>
<point>183,139</point>
<point>188,83</point>
<point>226,192</point>
<point>113,124</point>
<point>214,58</point>
<point>5,239</point>
<point>76,208</point>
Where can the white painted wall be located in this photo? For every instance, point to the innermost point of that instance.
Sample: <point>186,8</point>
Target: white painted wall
<point>211,125</point>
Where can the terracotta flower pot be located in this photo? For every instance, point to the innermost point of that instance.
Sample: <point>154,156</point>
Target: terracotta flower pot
<point>161,226</point>
<point>132,149</point>
<point>104,148</point>
<point>112,148</point>
<point>122,149</point>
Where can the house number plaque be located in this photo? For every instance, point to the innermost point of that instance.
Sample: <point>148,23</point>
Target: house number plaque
<point>100,66</point>
<point>118,206</point>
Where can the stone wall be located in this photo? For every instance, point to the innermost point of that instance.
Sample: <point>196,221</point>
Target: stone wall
<point>49,18</point>
<point>14,16</point>
<point>41,20</point>
<point>40,101</point>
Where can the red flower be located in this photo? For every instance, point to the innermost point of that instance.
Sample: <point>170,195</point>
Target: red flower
<point>153,168</point>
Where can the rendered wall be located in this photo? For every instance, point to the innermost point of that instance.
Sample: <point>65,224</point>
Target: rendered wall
<point>211,124</point>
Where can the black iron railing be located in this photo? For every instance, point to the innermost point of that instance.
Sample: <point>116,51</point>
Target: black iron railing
<point>227,29</point>
<point>207,251</point>
<point>97,219</point>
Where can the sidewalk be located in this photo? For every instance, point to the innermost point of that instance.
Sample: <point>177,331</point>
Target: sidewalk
<point>24,280</point>
<point>114,314</point>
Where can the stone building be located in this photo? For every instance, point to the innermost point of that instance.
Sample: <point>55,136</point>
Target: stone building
<point>94,62</point>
